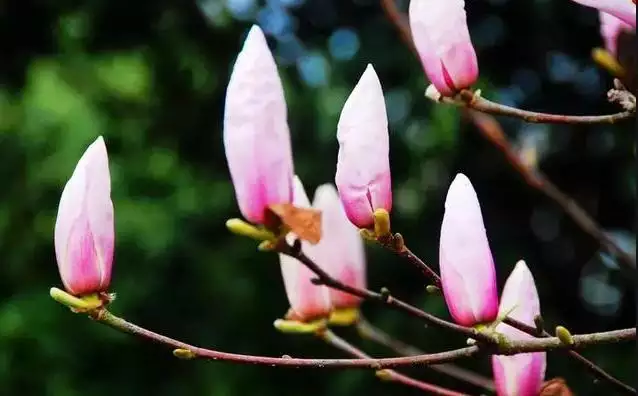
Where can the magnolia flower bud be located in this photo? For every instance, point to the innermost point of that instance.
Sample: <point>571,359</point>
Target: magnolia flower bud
<point>521,374</point>
<point>441,37</point>
<point>84,231</point>
<point>307,300</point>
<point>363,166</point>
<point>256,135</point>
<point>610,28</point>
<point>468,276</point>
<point>624,10</point>
<point>340,251</point>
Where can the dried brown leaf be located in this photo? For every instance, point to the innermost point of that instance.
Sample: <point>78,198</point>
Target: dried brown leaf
<point>304,222</point>
<point>555,387</point>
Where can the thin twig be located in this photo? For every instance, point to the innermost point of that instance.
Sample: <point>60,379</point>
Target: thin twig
<point>384,298</point>
<point>484,105</point>
<point>478,103</point>
<point>184,350</point>
<point>491,130</point>
<point>386,375</point>
<point>372,333</point>
<point>588,364</point>
<point>534,179</point>
<point>538,181</point>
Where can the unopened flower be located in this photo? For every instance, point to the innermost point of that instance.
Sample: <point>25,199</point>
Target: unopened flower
<point>624,10</point>
<point>340,251</point>
<point>308,301</point>
<point>610,28</point>
<point>256,135</point>
<point>363,167</point>
<point>468,276</point>
<point>521,374</point>
<point>84,230</point>
<point>441,37</point>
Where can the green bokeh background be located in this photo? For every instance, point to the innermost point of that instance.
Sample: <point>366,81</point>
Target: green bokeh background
<point>150,77</point>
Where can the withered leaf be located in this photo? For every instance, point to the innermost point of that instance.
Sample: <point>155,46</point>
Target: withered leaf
<point>304,222</point>
<point>555,387</point>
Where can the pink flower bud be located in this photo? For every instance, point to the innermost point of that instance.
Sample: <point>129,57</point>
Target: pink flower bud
<point>522,374</point>
<point>468,276</point>
<point>256,135</point>
<point>84,230</point>
<point>440,34</point>
<point>340,251</point>
<point>610,28</point>
<point>363,167</point>
<point>624,10</point>
<point>307,300</point>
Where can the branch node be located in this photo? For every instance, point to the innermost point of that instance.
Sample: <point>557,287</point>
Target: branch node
<point>185,354</point>
<point>385,294</point>
<point>564,335</point>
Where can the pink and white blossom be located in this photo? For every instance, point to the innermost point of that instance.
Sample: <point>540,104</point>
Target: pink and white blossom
<point>442,40</point>
<point>363,168</point>
<point>84,232</point>
<point>521,374</point>
<point>468,276</point>
<point>256,136</point>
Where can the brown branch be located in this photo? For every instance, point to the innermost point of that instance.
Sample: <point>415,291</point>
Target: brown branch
<point>484,105</point>
<point>385,297</point>
<point>372,333</point>
<point>386,375</point>
<point>478,103</point>
<point>187,351</point>
<point>534,179</point>
<point>597,371</point>
<point>491,130</point>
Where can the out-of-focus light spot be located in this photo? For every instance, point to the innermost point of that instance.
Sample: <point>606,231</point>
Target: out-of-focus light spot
<point>275,20</point>
<point>433,175</point>
<point>290,3</point>
<point>599,295</point>
<point>510,96</point>
<point>409,198</point>
<point>488,32</point>
<point>601,142</point>
<point>600,286</point>
<point>242,10</point>
<point>625,240</point>
<point>343,44</point>
<point>397,104</point>
<point>527,80</point>
<point>533,143</point>
<point>561,68</point>
<point>313,69</point>
<point>416,135</point>
<point>212,9</point>
<point>545,224</point>
<point>289,49</point>
<point>588,81</point>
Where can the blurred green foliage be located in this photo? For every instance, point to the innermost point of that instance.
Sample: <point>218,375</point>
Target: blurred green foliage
<point>150,77</point>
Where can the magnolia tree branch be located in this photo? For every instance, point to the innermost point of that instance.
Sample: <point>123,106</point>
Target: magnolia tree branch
<point>597,371</point>
<point>534,178</point>
<point>383,297</point>
<point>491,130</point>
<point>469,99</point>
<point>386,374</point>
<point>537,331</point>
<point>476,102</point>
<point>372,333</point>
<point>187,351</point>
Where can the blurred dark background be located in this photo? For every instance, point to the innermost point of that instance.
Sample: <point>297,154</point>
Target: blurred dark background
<point>150,77</point>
